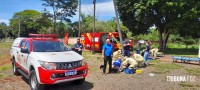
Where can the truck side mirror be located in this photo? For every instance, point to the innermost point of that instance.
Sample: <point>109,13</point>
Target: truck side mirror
<point>25,50</point>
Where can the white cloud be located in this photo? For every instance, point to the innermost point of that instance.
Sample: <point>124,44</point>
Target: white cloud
<point>5,21</point>
<point>104,11</point>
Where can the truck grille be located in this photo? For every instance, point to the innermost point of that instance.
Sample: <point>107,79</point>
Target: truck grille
<point>68,65</point>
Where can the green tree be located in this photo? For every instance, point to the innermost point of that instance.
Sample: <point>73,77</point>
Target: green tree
<point>62,29</point>
<point>62,9</point>
<point>28,21</point>
<point>101,26</point>
<point>4,30</point>
<point>166,15</point>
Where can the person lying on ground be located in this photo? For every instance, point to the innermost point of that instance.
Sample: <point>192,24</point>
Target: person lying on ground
<point>117,64</point>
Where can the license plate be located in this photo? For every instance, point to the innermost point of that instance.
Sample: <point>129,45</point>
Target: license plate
<point>71,72</point>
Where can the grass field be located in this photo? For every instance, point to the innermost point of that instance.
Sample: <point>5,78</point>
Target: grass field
<point>178,49</point>
<point>4,50</point>
<point>4,57</point>
<point>159,68</point>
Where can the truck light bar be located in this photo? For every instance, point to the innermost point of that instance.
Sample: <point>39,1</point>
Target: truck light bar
<point>43,35</point>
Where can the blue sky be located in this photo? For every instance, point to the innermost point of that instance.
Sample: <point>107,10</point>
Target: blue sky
<point>104,11</point>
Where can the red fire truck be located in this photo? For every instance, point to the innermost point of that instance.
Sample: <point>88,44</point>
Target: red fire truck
<point>99,40</point>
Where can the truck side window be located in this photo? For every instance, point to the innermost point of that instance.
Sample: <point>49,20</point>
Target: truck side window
<point>22,44</point>
<point>28,45</point>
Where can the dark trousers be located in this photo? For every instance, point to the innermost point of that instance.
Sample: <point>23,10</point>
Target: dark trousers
<point>127,53</point>
<point>138,51</point>
<point>107,59</point>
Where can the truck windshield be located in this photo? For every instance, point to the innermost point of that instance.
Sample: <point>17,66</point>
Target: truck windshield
<point>49,46</point>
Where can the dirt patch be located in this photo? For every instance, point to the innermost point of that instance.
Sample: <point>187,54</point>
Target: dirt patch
<point>4,62</point>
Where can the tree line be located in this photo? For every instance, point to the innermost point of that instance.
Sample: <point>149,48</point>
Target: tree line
<point>177,17</point>
<point>30,21</point>
<point>180,17</point>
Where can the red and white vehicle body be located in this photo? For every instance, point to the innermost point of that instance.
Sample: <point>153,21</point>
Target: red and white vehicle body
<point>99,40</point>
<point>43,59</point>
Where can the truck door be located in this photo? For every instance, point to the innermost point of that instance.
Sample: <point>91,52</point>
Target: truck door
<point>24,56</point>
<point>103,38</point>
<point>19,57</point>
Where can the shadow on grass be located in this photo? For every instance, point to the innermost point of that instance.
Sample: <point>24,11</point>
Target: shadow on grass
<point>181,51</point>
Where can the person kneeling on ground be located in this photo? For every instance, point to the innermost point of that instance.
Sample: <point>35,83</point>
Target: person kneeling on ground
<point>133,62</point>
<point>154,52</point>
<point>130,63</point>
<point>116,54</point>
<point>138,58</point>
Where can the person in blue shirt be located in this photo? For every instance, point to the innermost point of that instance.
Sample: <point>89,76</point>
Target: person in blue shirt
<point>138,47</point>
<point>107,52</point>
<point>146,53</point>
<point>78,47</point>
<point>126,45</point>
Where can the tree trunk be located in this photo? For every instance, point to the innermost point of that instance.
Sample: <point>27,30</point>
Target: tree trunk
<point>166,36</point>
<point>162,30</point>
<point>54,23</point>
<point>160,38</point>
<point>165,40</point>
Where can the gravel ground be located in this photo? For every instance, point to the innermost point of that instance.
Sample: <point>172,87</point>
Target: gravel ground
<point>116,81</point>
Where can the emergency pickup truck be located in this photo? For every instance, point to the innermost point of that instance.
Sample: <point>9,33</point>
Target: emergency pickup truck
<point>43,59</point>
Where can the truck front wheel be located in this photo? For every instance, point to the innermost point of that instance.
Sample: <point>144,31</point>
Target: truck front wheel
<point>34,82</point>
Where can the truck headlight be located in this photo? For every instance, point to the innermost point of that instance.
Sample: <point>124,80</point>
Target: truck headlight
<point>48,65</point>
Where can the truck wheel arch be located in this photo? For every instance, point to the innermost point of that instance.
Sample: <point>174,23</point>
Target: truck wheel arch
<point>13,58</point>
<point>31,68</point>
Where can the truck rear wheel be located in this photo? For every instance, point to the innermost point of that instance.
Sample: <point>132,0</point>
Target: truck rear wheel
<point>15,72</point>
<point>33,82</point>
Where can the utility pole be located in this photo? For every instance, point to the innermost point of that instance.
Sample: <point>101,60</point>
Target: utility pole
<point>118,26</point>
<point>79,32</point>
<point>93,51</point>
<point>199,48</point>
<point>19,16</point>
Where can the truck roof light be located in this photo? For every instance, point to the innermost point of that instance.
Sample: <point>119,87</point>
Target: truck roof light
<point>43,35</point>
